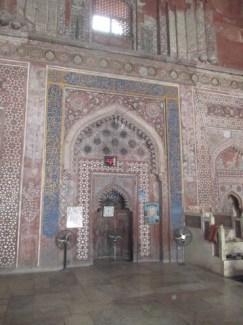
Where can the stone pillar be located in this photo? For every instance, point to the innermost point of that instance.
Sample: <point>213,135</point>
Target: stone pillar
<point>32,170</point>
<point>172,32</point>
<point>2,4</point>
<point>181,33</point>
<point>52,16</point>
<point>147,16</point>
<point>222,242</point>
<point>201,32</point>
<point>163,28</point>
<point>191,31</point>
<point>210,35</point>
<point>9,5</point>
<point>1,128</point>
<point>80,20</point>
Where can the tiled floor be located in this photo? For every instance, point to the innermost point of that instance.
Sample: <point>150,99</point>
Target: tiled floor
<point>121,294</point>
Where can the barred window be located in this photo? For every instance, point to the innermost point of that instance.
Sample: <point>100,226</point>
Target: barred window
<point>112,17</point>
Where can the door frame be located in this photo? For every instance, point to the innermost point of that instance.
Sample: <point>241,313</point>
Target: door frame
<point>133,207</point>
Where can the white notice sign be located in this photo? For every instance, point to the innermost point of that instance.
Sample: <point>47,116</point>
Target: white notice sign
<point>108,211</point>
<point>74,217</point>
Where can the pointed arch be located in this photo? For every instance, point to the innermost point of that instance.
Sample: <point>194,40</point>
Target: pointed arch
<point>230,143</point>
<point>233,194</point>
<point>116,188</point>
<point>123,112</point>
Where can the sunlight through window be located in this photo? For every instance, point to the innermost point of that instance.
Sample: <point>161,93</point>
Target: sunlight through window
<point>107,25</point>
<point>111,17</point>
<point>116,27</point>
<point>101,24</point>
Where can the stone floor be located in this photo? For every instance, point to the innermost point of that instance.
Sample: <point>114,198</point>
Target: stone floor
<point>121,294</point>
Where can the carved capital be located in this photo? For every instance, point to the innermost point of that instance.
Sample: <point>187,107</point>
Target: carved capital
<point>10,21</point>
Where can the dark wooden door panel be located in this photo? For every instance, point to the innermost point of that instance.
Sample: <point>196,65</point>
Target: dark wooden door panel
<point>106,228</point>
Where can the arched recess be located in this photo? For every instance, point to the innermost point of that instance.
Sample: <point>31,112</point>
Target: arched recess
<point>143,237</point>
<point>114,110</point>
<point>115,188</point>
<point>118,225</point>
<point>225,200</point>
<point>231,143</point>
<point>227,167</point>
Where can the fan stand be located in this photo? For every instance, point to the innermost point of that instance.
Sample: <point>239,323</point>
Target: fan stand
<point>182,249</point>
<point>115,239</point>
<point>65,240</point>
<point>64,244</point>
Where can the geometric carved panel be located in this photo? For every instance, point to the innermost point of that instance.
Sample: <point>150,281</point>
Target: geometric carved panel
<point>81,92</point>
<point>86,167</point>
<point>13,102</point>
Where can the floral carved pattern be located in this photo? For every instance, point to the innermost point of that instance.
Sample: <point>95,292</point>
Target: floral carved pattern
<point>86,167</point>
<point>13,101</point>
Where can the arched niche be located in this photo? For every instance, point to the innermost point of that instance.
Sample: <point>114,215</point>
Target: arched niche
<point>227,173</point>
<point>228,145</point>
<point>101,195</point>
<point>91,179</point>
<point>155,142</point>
<point>230,159</point>
<point>231,204</point>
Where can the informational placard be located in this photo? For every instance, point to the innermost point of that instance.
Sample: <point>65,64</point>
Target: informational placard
<point>74,217</point>
<point>151,213</point>
<point>108,211</point>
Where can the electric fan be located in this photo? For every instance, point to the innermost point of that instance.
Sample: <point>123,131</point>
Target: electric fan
<point>182,238</point>
<point>65,240</point>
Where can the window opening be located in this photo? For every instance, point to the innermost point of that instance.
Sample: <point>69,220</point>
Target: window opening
<point>111,17</point>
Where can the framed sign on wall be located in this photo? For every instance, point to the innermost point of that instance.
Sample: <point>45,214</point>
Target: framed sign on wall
<point>108,211</point>
<point>151,213</point>
<point>74,217</point>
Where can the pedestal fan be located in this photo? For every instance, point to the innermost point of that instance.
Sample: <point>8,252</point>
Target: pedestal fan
<point>65,240</point>
<point>182,238</point>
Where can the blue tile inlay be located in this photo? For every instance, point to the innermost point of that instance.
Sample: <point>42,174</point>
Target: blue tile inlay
<point>53,142</point>
<point>52,167</point>
<point>119,85</point>
<point>174,157</point>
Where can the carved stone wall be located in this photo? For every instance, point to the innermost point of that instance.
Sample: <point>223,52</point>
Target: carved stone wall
<point>228,18</point>
<point>181,30</point>
<point>182,123</point>
<point>103,110</point>
<point>13,80</point>
<point>212,147</point>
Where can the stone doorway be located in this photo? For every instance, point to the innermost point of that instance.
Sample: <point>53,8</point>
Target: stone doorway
<point>138,175</point>
<point>112,229</point>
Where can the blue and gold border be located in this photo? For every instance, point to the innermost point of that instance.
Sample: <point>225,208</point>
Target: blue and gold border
<point>57,81</point>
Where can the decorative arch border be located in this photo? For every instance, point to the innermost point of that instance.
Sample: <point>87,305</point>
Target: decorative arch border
<point>118,189</point>
<point>170,173</point>
<point>86,168</point>
<point>240,200</point>
<point>152,151</point>
<point>234,143</point>
<point>114,110</point>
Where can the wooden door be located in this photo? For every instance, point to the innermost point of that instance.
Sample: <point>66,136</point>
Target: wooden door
<point>107,229</point>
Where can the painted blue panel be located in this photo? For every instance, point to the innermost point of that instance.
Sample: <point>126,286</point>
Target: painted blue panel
<point>119,85</point>
<point>52,167</point>
<point>53,150</point>
<point>174,156</point>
